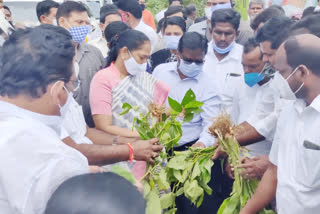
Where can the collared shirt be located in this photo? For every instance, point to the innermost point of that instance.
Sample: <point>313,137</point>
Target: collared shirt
<point>101,44</point>
<point>296,153</point>
<point>245,102</point>
<point>205,92</point>
<point>227,73</point>
<point>34,161</point>
<point>270,104</point>
<point>90,61</point>
<point>149,32</point>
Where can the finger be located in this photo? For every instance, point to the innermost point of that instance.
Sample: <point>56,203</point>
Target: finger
<point>244,165</point>
<point>154,154</point>
<point>154,141</point>
<point>216,154</point>
<point>151,161</point>
<point>157,148</point>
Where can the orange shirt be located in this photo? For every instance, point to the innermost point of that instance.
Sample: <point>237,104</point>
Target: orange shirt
<point>148,19</point>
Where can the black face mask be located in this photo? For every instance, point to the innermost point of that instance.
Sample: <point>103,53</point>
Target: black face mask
<point>143,6</point>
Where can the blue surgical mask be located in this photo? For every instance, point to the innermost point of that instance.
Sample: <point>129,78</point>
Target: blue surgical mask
<point>253,78</point>
<point>223,50</point>
<point>172,42</point>
<point>190,70</point>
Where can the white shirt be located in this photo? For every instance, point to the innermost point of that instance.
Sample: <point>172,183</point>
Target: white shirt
<point>298,186</point>
<point>34,161</point>
<point>245,102</point>
<point>149,32</point>
<point>74,124</point>
<point>205,92</point>
<point>227,73</point>
<point>271,102</point>
<point>101,44</point>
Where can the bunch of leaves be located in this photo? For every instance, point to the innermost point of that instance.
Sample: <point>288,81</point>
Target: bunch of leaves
<point>189,172</point>
<point>166,126</point>
<point>242,189</point>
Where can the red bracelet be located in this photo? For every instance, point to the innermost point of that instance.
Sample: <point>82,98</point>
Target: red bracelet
<point>131,154</point>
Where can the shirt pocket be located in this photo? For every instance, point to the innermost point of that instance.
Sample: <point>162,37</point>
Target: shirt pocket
<point>308,167</point>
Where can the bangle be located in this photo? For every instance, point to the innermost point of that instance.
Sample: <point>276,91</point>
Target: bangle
<point>115,140</point>
<point>131,154</point>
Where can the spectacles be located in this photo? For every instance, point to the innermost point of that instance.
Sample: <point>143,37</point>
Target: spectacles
<point>197,62</point>
<point>75,84</point>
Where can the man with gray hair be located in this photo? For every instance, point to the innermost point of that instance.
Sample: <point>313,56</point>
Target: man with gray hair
<point>255,7</point>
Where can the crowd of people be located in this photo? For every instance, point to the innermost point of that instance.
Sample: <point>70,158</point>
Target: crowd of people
<point>61,98</point>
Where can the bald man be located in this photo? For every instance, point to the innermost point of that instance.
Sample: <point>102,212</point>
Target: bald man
<point>294,173</point>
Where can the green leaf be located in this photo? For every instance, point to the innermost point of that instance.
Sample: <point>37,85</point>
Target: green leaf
<point>188,117</point>
<point>167,200</point>
<point>174,105</point>
<point>195,171</point>
<point>194,104</point>
<point>180,191</point>
<point>200,200</point>
<point>192,190</point>
<point>123,173</point>
<point>171,211</point>
<point>205,187</point>
<point>146,189</point>
<point>153,203</point>
<point>177,162</point>
<point>188,97</point>
<point>177,174</point>
<point>126,108</point>
<point>161,180</point>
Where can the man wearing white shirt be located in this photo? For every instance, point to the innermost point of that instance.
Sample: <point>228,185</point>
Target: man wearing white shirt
<point>181,76</point>
<point>132,14</point>
<point>36,67</point>
<point>294,175</point>
<point>223,60</point>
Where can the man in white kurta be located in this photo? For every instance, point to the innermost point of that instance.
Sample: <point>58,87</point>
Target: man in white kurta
<point>36,67</point>
<point>294,175</point>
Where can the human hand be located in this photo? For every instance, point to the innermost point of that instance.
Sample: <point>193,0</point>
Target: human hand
<point>229,169</point>
<point>199,145</point>
<point>253,168</point>
<point>219,154</point>
<point>146,150</point>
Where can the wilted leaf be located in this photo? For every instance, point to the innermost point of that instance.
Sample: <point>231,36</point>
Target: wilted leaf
<point>195,171</point>
<point>161,180</point>
<point>146,189</point>
<point>192,190</point>
<point>180,191</point>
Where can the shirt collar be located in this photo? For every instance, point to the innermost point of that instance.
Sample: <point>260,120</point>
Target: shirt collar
<point>235,52</point>
<point>82,49</point>
<point>316,104</point>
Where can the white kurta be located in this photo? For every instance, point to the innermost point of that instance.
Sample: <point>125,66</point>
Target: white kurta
<point>296,153</point>
<point>34,161</point>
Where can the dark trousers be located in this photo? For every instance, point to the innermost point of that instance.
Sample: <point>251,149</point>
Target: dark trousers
<point>221,186</point>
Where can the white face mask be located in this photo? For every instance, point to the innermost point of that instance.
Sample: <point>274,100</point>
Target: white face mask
<point>295,70</point>
<point>65,107</point>
<point>133,67</point>
<point>283,85</point>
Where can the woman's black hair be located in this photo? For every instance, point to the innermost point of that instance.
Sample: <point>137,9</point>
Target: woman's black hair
<point>132,39</point>
<point>115,28</point>
<point>101,193</point>
<point>160,25</point>
<point>193,41</point>
<point>175,20</point>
